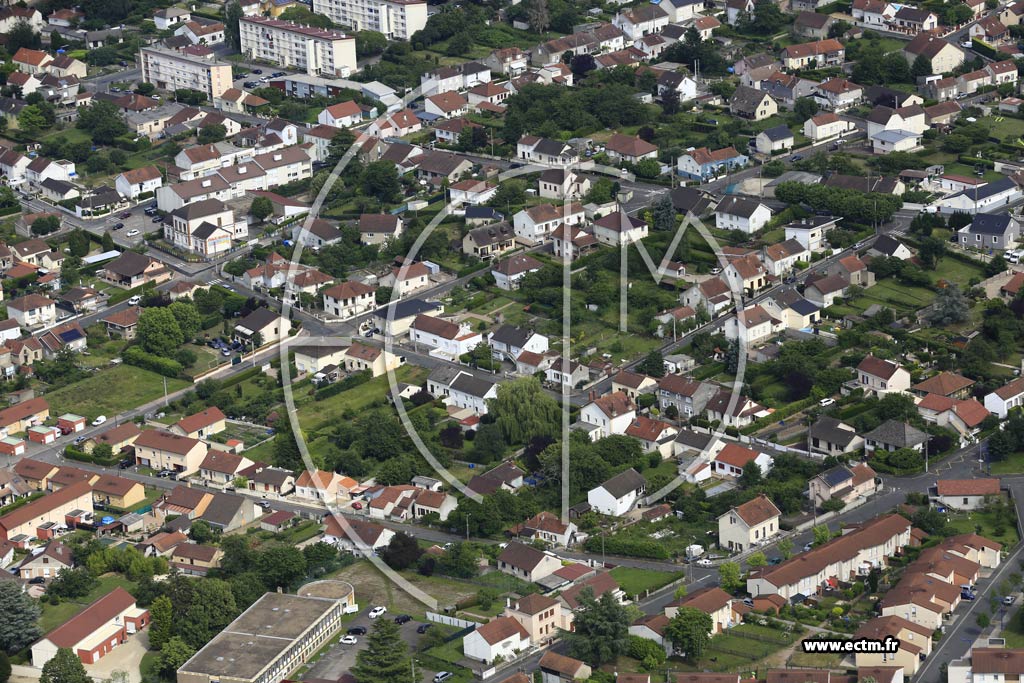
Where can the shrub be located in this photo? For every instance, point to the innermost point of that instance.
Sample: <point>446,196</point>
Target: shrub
<point>148,361</point>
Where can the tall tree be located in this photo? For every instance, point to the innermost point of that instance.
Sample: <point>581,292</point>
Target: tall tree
<point>158,332</point>
<point>386,656</point>
<point>161,627</point>
<point>189,322</point>
<point>232,14</point>
<point>402,553</point>
<point>5,668</point>
<point>175,653</point>
<point>23,35</point>
<point>663,213</point>
<point>19,615</point>
<point>729,577</point>
<point>602,629</point>
<point>690,632</point>
<point>280,566</point>
<point>524,411</point>
<point>65,667</point>
<point>653,364</point>
<point>539,16</point>
<point>261,208</point>
<point>380,180</point>
<point>211,608</point>
<point>949,308</point>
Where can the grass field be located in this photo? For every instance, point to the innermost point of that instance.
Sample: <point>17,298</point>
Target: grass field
<point>635,581</point>
<point>315,414</point>
<point>967,523</point>
<point>954,270</point>
<point>900,297</point>
<point>110,392</point>
<point>1012,465</point>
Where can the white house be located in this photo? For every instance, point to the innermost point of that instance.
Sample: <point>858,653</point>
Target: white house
<point>611,413</point>
<point>618,495</point>
<point>500,637</point>
<point>144,180</point>
<point>508,341</point>
<point>878,377</point>
<point>731,460</point>
<point>753,325</point>
<point>538,222</point>
<point>443,337</point>
<point>965,494</point>
<point>826,126</point>
<point>741,213</point>
<point>349,299</point>
<point>619,229</point>
<point>1008,396</point>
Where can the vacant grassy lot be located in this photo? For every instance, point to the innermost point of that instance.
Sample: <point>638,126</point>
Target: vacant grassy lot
<point>110,392</point>
<point>898,296</point>
<point>638,581</point>
<point>314,415</point>
<point>968,522</point>
<point>1012,465</point>
<point>955,270</point>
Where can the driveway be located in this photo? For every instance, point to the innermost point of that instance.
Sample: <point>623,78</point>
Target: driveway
<point>127,658</point>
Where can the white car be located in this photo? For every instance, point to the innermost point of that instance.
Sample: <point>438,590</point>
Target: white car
<point>99,420</point>
<point>378,611</point>
<point>349,640</point>
<point>132,233</point>
<point>704,562</point>
<point>826,402</point>
<point>135,300</point>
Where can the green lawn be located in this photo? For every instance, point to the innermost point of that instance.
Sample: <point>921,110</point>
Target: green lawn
<point>898,296</point>
<point>638,581</point>
<point>968,522</point>
<point>314,415</point>
<point>1012,465</point>
<point>55,615</point>
<point>955,270</point>
<point>110,392</point>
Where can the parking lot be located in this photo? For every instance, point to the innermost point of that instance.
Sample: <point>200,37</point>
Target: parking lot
<point>340,658</point>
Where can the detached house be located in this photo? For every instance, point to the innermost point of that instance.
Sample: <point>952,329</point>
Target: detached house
<point>611,414</point>
<point>731,460</point>
<point>843,483</point>
<point>703,164</point>
<point>878,377</point>
<point>1006,397</point>
<point>752,104</point>
<point>526,562</point>
<point>502,637</point>
<point>748,525</point>
<point>817,55</point>
<point>965,494</point>
<point>829,436</point>
<point>740,213</point>
<point>618,495</point>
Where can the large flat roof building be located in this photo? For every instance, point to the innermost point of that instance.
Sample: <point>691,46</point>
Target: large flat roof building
<point>276,635</point>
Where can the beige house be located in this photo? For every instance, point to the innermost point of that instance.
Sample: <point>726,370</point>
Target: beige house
<point>915,643</point>
<point>51,509</point>
<point>117,492</point>
<point>749,524</point>
<point>540,615</point>
<point>921,600</point>
<point>556,668</point>
<point>202,424</point>
<point>360,357</point>
<point>713,601</point>
<point>843,483</point>
<point>162,450</point>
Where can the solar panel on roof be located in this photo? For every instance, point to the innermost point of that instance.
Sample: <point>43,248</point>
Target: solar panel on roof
<point>70,336</point>
<point>837,476</point>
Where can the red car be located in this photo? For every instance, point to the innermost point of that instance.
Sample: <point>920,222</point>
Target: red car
<point>126,214</point>
<point>357,506</point>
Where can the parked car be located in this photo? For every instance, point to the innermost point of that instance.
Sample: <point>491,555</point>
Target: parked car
<point>36,580</point>
<point>135,300</point>
<point>79,439</point>
<point>132,233</point>
<point>826,402</point>
<point>796,157</point>
<point>402,619</point>
<point>117,226</point>
<point>442,676</point>
<point>278,74</point>
<point>807,547</point>
<point>257,71</point>
<point>349,640</point>
<point>125,464</point>
<point>99,420</point>
<point>251,84</point>
<point>422,628</point>
<point>1009,599</point>
<point>378,611</point>
<point>125,214</point>
<point>157,219</point>
<point>357,631</point>
<point>357,506</point>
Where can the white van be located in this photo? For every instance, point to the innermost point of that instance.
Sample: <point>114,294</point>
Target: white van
<point>1013,256</point>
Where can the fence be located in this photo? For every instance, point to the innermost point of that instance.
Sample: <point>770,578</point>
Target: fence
<point>451,621</point>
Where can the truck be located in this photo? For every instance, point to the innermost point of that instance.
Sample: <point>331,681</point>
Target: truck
<point>694,551</point>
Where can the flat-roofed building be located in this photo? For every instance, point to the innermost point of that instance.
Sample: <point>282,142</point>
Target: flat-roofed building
<point>314,50</point>
<point>273,637</point>
<point>172,70</point>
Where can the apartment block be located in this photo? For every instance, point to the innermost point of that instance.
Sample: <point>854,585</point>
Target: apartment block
<point>396,19</point>
<point>319,52</point>
<point>172,70</point>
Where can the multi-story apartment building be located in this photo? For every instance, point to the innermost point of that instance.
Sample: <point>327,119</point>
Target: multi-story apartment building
<point>172,70</point>
<point>317,51</point>
<point>396,19</point>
